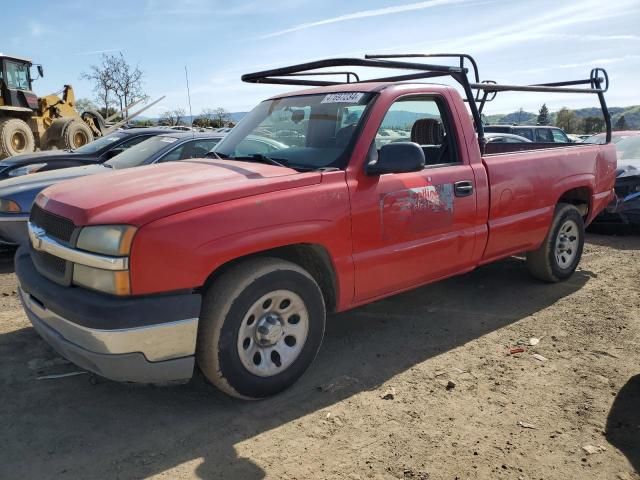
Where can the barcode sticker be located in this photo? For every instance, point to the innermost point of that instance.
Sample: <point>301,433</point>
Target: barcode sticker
<point>346,97</point>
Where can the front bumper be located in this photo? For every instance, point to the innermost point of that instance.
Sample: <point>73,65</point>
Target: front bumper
<point>13,229</point>
<point>145,339</point>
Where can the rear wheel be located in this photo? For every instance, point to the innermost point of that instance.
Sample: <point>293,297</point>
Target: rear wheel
<point>261,327</point>
<point>559,255</point>
<point>15,138</point>
<point>74,135</point>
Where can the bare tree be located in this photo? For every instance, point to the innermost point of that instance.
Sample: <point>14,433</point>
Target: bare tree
<point>115,77</point>
<point>102,77</point>
<point>219,117</point>
<point>127,81</point>
<point>173,117</point>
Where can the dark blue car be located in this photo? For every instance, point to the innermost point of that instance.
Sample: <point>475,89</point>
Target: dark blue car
<point>98,151</point>
<point>18,194</point>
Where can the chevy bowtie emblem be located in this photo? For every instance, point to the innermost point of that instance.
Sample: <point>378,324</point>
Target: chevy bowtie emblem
<point>36,238</point>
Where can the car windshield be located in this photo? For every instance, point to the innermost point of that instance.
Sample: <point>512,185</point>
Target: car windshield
<point>601,138</point>
<point>100,143</point>
<point>629,148</point>
<point>305,132</point>
<point>140,153</point>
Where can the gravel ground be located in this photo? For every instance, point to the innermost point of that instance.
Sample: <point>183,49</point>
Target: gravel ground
<point>420,386</point>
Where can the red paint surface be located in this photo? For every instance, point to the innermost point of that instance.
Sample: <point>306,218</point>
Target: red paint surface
<point>194,216</point>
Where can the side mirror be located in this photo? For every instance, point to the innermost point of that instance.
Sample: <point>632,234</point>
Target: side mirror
<point>400,157</point>
<point>40,71</point>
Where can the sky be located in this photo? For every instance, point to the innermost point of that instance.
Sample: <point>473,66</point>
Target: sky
<point>521,42</point>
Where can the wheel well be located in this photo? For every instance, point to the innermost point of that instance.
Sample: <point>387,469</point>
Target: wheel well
<point>313,258</point>
<point>580,197</point>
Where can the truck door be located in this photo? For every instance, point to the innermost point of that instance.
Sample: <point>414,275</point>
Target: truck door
<point>412,228</point>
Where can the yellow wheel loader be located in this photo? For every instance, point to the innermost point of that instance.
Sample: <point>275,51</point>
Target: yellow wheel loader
<point>29,122</point>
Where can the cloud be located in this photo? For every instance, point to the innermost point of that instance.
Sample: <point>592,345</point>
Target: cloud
<point>366,14</point>
<point>99,52</point>
<point>598,62</point>
<point>37,29</point>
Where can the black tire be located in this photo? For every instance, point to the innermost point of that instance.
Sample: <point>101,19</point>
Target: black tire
<point>225,307</point>
<point>15,138</point>
<point>75,134</point>
<point>546,263</point>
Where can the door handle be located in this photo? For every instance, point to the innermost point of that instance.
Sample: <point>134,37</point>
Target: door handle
<point>463,188</point>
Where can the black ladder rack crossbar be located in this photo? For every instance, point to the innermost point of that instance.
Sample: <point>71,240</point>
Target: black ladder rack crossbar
<point>598,81</point>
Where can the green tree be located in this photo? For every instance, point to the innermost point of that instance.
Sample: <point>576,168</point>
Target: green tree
<point>543,115</point>
<point>593,125</point>
<point>567,120</point>
<point>621,124</point>
<point>84,104</point>
<point>201,122</point>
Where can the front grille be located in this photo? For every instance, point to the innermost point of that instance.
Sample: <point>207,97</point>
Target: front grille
<point>60,228</point>
<point>55,226</point>
<point>51,263</point>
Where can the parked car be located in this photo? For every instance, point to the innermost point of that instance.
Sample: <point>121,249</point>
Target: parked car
<point>17,194</point>
<point>235,261</point>
<point>98,151</point>
<point>505,138</point>
<point>535,133</point>
<point>600,138</point>
<point>625,209</point>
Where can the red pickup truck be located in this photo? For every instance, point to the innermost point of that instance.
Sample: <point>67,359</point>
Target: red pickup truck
<point>234,261</point>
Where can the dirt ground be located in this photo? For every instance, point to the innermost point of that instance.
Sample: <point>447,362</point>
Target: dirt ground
<point>378,402</point>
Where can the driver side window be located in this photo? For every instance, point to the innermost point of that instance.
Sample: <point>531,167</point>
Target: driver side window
<point>420,120</point>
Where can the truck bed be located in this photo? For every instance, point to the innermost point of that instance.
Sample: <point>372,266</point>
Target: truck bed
<point>526,185</point>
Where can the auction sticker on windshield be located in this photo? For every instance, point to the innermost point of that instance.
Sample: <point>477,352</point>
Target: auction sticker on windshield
<point>347,97</point>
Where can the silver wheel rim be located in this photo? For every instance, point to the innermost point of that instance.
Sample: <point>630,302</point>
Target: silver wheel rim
<point>567,244</point>
<point>273,333</point>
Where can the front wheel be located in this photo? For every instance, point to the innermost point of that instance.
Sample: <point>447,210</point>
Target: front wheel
<point>559,255</point>
<point>261,326</point>
<point>75,134</point>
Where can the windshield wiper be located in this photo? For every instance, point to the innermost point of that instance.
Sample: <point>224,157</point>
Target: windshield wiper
<point>259,157</point>
<point>212,154</point>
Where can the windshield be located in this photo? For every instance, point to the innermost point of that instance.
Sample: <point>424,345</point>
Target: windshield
<point>601,138</point>
<point>140,153</point>
<point>100,143</point>
<point>629,148</point>
<point>305,132</point>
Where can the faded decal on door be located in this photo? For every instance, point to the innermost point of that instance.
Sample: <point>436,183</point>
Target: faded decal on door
<point>416,210</point>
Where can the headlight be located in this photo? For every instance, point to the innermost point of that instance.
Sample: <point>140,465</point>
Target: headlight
<point>9,206</point>
<point>107,281</point>
<point>33,168</point>
<point>107,239</point>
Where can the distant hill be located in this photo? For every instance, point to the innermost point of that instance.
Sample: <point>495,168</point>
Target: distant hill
<point>631,116</point>
<point>235,116</point>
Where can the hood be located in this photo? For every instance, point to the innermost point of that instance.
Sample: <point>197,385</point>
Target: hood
<point>40,157</point>
<point>140,195</point>
<point>38,181</point>
<point>628,168</point>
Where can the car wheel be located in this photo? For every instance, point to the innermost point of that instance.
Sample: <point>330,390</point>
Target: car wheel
<point>559,255</point>
<point>261,326</point>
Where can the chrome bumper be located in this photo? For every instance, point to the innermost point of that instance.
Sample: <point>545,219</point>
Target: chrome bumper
<point>154,353</point>
<point>41,242</point>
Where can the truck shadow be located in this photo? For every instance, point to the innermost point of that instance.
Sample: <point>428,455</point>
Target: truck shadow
<point>623,423</point>
<point>72,428</point>
<point>622,240</point>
